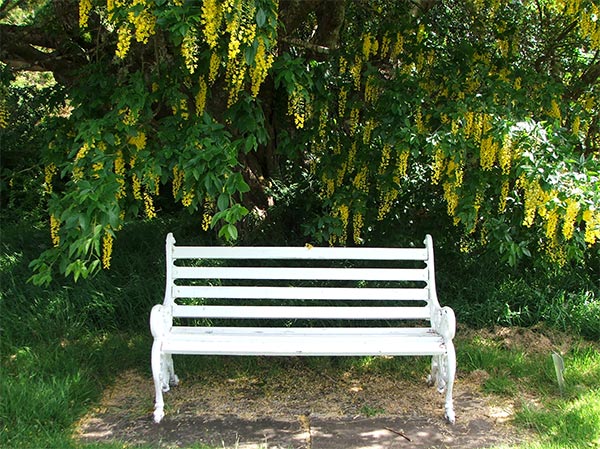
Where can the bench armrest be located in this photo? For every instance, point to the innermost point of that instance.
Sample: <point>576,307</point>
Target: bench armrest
<point>161,320</point>
<point>443,321</point>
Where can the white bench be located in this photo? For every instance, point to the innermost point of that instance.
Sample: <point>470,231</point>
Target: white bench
<point>306,304</point>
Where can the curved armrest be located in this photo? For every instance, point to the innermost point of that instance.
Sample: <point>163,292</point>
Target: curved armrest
<point>443,321</point>
<point>161,320</point>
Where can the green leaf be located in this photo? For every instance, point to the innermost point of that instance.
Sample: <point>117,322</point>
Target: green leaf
<point>261,17</point>
<point>223,201</point>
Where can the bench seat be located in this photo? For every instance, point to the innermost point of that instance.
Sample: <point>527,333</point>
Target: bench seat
<point>256,341</point>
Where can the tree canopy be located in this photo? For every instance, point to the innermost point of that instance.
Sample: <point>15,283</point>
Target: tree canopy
<point>385,110</point>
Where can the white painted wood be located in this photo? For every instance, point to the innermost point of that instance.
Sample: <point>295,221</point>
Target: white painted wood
<point>301,273</point>
<point>297,253</point>
<point>309,293</point>
<point>302,312</point>
<point>403,284</point>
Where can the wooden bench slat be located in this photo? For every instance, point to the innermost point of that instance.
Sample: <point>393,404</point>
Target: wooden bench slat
<point>281,343</point>
<point>303,312</point>
<point>295,253</point>
<point>309,293</point>
<point>302,273</point>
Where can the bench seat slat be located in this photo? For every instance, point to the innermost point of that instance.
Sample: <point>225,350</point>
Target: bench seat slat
<point>317,274</point>
<point>318,293</point>
<point>303,312</point>
<point>295,253</point>
<point>310,342</point>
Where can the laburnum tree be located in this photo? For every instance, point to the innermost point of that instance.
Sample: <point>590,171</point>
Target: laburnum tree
<point>489,107</point>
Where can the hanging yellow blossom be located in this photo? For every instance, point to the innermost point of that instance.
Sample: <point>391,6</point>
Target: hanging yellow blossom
<point>138,141</point>
<point>189,50</point>
<point>49,171</point>
<point>201,96</point>
<point>124,41</point>
<point>570,218</point>
<point>85,7</point>
<point>357,225</point>
<point>54,230</point>
<point>149,206</point>
<point>592,225</point>
<point>107,246</point>
<point>211,19</point>
<point>213,67</point>
<point>262,63</point>
<point>136,186</point>
<point>120,172</point>
<point>297,107</point>
<point>342,102</point>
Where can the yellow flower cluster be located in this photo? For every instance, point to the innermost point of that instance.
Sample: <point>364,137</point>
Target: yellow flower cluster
<point>138,141</point>
<point>551,219</point>
<point>555,110</point>
<point>297,107</point>
<point>419,120</point>
<point>189,50</point>
<point>136,186</point>
<point>49,171</point>
<point>85,7</point>
<point>262,63</point>
<point>367,131</point>
<point>371,90</point>
<point>178,177</point>
<point>401,166</point>
<point>242,31</point>
<point>438,165</point>
<point>533,197</point>
<point>503,195</point>
<point>54,230</point>
<point>398,47</point>
<point>451,197</point>
<point>124,41</point>
<point>354,117</point>
<point>149,206</point>
<point>386,202</point>
<point>505,154</point>
<point>343,65</point>
<point>187,198</point>
<point>355,71</point>
<point>592,226</point>
<point>201,96</point>
<point>360,181</point>
<point>107,246</point>
<point>206,216</point>
<point>570,218</point>
<point>4,114</point>
<point>357,225</point>
<point>211,19</point>
<point>589,23</point>
<point>328,185</point>
<point>213,67</point>
<point>143,21</point>
<point>120,172</point>
<point>344,213</point>
<point>386,153</point>
<point>370,46</point>
<point>487,153</point>
<point>342,102</point>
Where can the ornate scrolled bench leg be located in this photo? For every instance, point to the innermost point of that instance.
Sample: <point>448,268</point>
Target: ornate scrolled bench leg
<point>158,383</point>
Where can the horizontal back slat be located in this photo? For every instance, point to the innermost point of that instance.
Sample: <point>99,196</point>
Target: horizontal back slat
<point>316,293</point>
<point>295,253</point>
<point>317,274</point>
<point>301,312</point>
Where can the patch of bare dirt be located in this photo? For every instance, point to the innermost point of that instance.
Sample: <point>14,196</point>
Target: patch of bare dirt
<point>304,407</point>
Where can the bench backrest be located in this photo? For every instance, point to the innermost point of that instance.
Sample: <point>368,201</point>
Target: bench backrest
<point>299,283</point>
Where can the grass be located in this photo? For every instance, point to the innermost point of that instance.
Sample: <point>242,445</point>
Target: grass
<point>61,345</point>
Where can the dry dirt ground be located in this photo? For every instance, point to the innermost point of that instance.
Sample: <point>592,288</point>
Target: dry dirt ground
<point>303,407</point>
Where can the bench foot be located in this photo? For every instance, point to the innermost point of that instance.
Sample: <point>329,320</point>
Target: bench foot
<point>443,371</point>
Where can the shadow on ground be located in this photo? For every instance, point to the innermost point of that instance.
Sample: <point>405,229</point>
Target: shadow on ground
<point>300,409</point>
